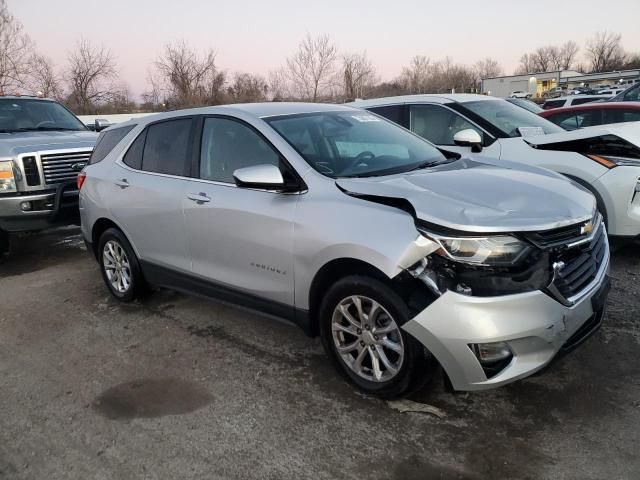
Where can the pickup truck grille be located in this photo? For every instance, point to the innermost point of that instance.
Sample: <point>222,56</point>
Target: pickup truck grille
<point>63,167</point>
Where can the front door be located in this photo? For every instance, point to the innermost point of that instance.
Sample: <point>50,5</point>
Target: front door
<point>238,237</point>
<point>439,124</point>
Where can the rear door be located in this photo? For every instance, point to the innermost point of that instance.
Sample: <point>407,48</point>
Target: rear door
<point>148,188</point>
<point>239,238</point>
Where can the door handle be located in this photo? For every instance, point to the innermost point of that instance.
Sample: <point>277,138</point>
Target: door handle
<point>199,198</point>
<point>122,183</point>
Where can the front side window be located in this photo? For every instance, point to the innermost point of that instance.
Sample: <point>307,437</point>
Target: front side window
<point>166,149</point>
<point>107,141</point>
<point>20,115</point>
<point>509,118</point>
<point>354,144</point>
<point>228,145</point>
<point>438,124</point>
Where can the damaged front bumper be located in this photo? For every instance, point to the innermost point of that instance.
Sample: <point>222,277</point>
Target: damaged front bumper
<point>534,326</point>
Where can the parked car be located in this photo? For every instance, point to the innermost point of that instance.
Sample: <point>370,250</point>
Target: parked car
<point>554,92</point>
<point>526,104</point>
<point>519,94</point>
<point>631,94</point>
<point>610,92</point>
<point>357,230</point>
<point>572,100</point>
<point>593,114</point>
<point>581,91</point>
<point>607,162</point>
<point>43,146</point>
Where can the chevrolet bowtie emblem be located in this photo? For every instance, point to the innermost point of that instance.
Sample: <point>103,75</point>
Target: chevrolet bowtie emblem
<point>586,229</point>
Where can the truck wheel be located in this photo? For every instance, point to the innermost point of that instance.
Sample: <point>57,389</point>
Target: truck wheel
<point>119,266</point>
<point>360,325</point>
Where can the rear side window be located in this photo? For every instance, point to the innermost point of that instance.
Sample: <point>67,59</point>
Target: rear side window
<point>107,141</point>
<point>580,101</point>
<point>553,104</point>
<point>395,113</point>
<point>133,157</point>
<point>167,147</point>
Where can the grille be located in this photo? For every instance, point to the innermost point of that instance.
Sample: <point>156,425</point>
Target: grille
<point>63,167</point>
<point>581,265</point>
<point>565,235</point>
<point>31,174</point>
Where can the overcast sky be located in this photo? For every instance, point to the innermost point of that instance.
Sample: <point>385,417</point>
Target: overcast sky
<point>257,36</point>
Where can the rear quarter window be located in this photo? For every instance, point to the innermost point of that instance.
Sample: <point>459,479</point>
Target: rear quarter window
<point>107,142</point>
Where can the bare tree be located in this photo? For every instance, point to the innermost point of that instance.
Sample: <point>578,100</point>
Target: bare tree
<point>91,74</point>
<point>247,87</point>
<point>359,75</point>
<point>43,79</point>
<point>415,76</point>
<point>280,85</point>
<point>604,52</point>
<point>15,50</point>
<point>189,79</point>
<point>568,53</point>
<point>312,69</point>
<point>488,68</point>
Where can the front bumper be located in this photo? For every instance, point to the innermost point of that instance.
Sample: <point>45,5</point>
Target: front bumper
<point>534,325</point>
<point>48,208</point>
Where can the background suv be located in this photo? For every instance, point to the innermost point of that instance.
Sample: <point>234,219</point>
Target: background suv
<point>358,231</point>
<point>43,146</point>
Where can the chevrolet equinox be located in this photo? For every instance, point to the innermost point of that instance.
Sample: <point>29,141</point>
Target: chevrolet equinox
<point>402,257</point>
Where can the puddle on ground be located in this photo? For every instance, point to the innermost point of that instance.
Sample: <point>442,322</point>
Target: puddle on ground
<point>148,398</point>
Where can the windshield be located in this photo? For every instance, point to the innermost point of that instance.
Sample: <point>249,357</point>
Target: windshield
<point>355,144</point>
<point>19,115</point>
<point>508,118</point>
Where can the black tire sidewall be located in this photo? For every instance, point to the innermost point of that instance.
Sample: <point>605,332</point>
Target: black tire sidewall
<point>137,280</point>
<point>417,364</point>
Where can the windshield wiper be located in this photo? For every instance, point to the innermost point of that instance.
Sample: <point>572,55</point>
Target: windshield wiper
<point>430,163</point>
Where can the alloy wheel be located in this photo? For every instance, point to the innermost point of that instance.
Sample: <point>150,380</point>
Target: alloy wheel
<point>367,338</point>
<point>116,266</point>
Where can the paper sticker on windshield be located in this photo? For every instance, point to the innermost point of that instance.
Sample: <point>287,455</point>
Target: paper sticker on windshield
<point>365,118</point>
<point>530,131</point>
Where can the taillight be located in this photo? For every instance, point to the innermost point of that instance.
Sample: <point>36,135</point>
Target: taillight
<point>80,180</point>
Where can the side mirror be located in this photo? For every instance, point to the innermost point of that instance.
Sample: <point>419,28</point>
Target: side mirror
<point>468,138</point>
<point>100,124</point>
<point>265,177</point>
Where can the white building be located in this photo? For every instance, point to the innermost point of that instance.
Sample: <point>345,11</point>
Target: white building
<point>538,83</point>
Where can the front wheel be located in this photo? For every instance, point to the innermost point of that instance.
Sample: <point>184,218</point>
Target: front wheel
<point>119,265</point>
<point>361,320</point>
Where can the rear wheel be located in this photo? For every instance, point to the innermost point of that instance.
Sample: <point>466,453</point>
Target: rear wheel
<point>361,320</point>
<point>119,265</point>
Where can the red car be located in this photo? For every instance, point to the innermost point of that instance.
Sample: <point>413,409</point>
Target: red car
<point>592,114</point>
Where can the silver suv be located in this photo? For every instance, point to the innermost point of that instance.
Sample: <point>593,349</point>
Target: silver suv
<point>401,257</point>
<point>43,146</point>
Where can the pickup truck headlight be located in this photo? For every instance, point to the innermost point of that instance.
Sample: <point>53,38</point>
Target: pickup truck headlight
<point>498,250</point>
<point>7,181</point>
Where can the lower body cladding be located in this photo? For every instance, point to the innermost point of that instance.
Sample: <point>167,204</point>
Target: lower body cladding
<point>485,342</point>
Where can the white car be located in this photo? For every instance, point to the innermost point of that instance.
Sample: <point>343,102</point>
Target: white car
<point>605,160</point>
<point>519,94</point>
<point>572,100</point>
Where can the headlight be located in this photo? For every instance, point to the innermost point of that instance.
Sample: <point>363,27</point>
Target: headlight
<point>7,182</point>
<point>498,250</point>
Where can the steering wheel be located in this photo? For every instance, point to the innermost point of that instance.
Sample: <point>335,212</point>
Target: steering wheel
<point>359,158</point>
<point>45,122</point>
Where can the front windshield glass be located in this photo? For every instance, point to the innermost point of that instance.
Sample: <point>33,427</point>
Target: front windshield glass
<point>19,115</point>
<point>355,144</point>
<point>509,118</point>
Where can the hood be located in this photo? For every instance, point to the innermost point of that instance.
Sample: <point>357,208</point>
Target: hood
<point>13,144</point>
<point>629,131</point>
<point>477,195</point>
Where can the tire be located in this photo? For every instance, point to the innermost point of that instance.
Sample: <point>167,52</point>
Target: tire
<point>414,366</point>
<point>119,266</point>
